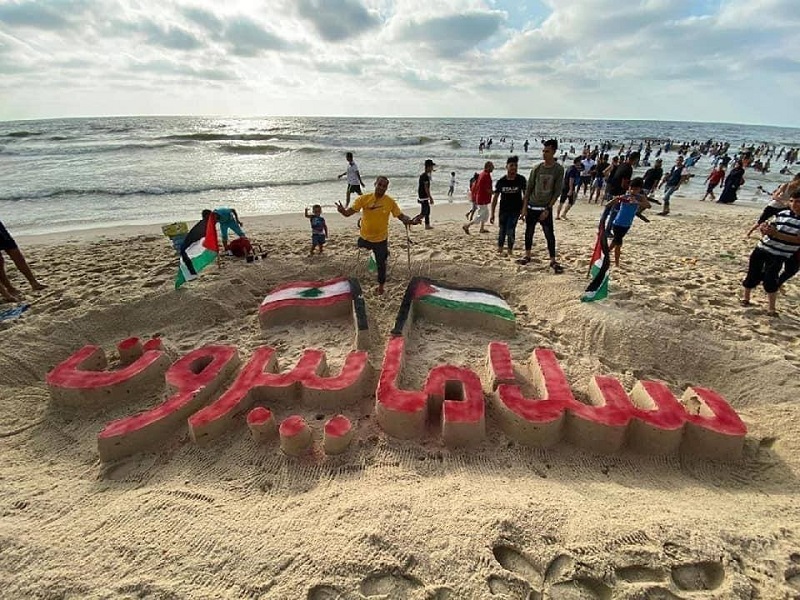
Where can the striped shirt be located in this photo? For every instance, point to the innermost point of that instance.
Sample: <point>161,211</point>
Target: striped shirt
<point>785,222</point>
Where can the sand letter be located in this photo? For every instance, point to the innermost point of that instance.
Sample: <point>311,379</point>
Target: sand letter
<point>534,421</point>
<point>400,413</point>
<point>458,393</point>
<point>260,381</point>
<point>195,378</point>
<point>713,429</point>
<point>82,380</point>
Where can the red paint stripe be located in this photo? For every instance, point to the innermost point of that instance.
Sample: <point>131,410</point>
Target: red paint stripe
<point>321,303</point>
<point>294,284</point>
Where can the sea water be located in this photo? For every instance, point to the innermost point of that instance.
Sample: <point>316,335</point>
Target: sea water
<point>67,174</point>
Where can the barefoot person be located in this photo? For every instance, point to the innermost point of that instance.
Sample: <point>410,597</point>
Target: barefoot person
<point>354,181</point>
<point>626,208</point>
<point>541,193</point>
<point>374,231</point>
<point>424,193</point>
<point>319,229</point>
<point>780,242</point>
<point>482,194</point>
<point>10,247</point>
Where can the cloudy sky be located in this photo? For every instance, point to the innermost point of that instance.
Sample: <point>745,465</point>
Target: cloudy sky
<point>697,60</point>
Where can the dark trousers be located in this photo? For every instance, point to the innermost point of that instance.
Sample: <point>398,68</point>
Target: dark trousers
<point>547,228</point>
<point>425,211</point>
<point>507,229</point>
<point>381,252</point>
<point>764,267</point>
<point>790,268</point>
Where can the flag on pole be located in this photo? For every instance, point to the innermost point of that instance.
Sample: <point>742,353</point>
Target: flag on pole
<point>598,268</point>
<point>199,249</point>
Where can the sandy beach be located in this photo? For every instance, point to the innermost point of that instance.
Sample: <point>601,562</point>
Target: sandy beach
<point>406,519</point>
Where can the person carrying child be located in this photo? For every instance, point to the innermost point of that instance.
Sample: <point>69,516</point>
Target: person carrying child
<point>319,229</point>
<point>625,208</point>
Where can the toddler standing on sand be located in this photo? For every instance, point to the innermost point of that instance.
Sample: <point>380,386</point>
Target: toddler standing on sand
<point>319,229</point>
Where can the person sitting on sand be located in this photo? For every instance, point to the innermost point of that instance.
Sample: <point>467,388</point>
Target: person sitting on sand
<point>780,242</point>
<point>10,247</point>
<point>374,229</point>
<point>228,219</point>
<point>625,209</point>
<point>319,229</point>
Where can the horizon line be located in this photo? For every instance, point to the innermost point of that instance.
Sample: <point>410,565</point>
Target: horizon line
<point>493,118</point>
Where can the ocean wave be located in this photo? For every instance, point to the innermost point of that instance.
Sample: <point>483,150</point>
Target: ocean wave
<point>222,137</point>
<point>258,149</point>
<point>159,191</point>
<point>23,134</point>
<point>268,149</point>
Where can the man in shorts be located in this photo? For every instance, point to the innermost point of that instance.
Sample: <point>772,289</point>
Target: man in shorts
<point>354,181</point>
<point>625,210</point>
<point>9,246</point>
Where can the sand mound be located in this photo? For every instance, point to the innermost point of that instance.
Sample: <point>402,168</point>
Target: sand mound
<point>407,519</point>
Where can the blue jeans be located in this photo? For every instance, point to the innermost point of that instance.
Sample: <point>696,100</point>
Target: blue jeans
<point>507,229</point>
<point>668,191</point>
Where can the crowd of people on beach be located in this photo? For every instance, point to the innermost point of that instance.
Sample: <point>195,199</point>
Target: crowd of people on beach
<point>551,190</point>
<point>598,174</point>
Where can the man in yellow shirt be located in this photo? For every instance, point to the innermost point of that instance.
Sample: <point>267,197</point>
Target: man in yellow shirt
<point>374,235</point>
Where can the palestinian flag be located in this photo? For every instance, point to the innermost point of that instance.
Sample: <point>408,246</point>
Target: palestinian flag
<point>480,300</point>
<point>598,268</point>
<point>319,293</point>
<point>199,249</point>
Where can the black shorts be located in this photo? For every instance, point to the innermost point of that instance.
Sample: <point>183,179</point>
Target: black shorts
<point>618,233</point>
<point>6,241</point>
<point>565,195</point>
<point>354,188</point>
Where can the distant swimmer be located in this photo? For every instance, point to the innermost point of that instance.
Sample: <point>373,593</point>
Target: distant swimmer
<point>354,181</point>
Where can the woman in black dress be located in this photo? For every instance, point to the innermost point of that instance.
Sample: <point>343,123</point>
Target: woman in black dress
<point>732,183</point>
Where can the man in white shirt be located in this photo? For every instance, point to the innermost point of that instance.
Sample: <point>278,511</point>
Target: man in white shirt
<point>588,163</point>
<point>354,181</point>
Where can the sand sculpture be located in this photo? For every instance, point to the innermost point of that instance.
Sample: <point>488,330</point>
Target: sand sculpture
<point>317,300</point>
<point>650,419</point>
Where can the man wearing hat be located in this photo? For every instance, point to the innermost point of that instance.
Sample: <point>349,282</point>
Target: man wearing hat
<point>424,193</point>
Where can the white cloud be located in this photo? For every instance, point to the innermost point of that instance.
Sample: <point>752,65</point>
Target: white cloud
<point>724,60</point>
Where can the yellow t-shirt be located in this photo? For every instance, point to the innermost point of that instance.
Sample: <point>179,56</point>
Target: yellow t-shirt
<point>375,216</point>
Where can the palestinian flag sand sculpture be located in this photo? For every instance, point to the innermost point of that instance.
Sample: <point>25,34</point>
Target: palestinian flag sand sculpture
<point>317,300</point>
<point>458,306</point>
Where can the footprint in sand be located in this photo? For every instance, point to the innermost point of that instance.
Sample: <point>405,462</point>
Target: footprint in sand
<point>559,581</point>
<point>324,592</point>
<point>391,584</point>
<point>698,577</point>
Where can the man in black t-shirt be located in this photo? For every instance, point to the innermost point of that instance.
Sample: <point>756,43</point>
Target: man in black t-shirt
<point>652,177</point>
<point>424,193</point>
<point>510,189</point>
<point>621,178</point>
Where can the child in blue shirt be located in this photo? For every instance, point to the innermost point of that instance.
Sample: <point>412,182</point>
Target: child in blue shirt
<point>319,230</point>
<point>624,212</point>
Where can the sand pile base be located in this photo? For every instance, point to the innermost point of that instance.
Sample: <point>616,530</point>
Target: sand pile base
<point>407,519</point>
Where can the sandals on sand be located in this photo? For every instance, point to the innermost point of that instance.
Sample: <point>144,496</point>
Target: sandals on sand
<point>557,268</point>
<point>744,303</point>
<point>524,260</point>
